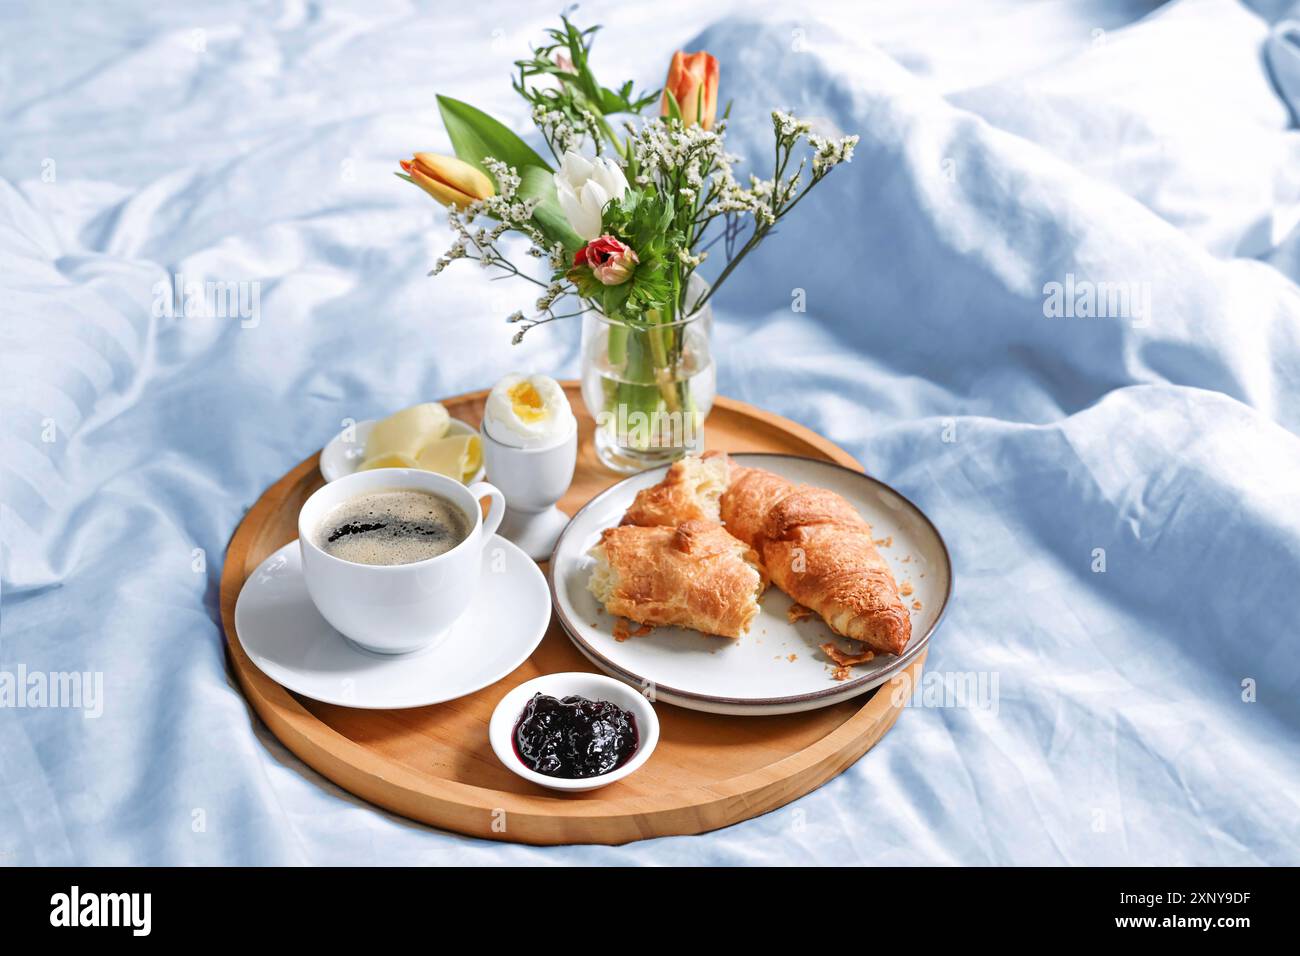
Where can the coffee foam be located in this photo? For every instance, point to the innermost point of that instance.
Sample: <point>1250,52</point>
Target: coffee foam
<point>409,525</point>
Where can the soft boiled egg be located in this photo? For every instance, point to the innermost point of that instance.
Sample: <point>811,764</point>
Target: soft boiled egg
<point>528,411</point>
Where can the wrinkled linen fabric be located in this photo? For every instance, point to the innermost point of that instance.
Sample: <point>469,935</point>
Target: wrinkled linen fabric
<point>1120,493</point>
<point>1284,62</point>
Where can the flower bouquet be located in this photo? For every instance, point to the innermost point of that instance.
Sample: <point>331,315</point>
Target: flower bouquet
<point>624,214</point>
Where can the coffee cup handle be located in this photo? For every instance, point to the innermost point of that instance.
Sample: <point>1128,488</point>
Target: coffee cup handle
<point>496,510</point>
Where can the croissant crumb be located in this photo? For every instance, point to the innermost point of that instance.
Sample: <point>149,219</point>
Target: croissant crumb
<point>797,613</point>
<point>844,661</point>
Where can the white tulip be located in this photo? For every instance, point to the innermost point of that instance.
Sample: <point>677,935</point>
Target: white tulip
<point>583,187</point>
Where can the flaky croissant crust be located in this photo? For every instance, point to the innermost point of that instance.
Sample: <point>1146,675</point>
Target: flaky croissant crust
<point>818,549</point>
<point>695,575</point>
<point>811,541</point>
<point>689,492</point>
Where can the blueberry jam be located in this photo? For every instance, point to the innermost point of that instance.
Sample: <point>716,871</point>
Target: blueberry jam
<point>574,737</point>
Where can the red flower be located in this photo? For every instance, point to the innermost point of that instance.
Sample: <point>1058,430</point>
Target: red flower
<point>610,260</point>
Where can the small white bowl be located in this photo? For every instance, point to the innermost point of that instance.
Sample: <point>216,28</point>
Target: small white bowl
<point>592,686</point>
<point>345,453</point>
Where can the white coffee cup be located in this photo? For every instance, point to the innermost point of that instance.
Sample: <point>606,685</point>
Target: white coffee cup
<point>397,608</point>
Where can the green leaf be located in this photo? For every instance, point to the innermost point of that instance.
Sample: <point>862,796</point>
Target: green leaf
<point>614,296</point>
<point>611,102</point>
<point>476,136</point>
<point>674,108</point>
<point>539,183</point>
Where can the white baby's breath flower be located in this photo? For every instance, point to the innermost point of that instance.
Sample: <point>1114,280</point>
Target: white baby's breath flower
<point>829,153</point>
<point>547,299</point>
<point>789,126</point>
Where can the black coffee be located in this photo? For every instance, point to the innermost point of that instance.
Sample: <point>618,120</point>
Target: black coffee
<point>392,526</point>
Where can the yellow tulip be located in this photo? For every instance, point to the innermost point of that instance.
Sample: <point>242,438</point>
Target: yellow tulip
<point>451,181</point>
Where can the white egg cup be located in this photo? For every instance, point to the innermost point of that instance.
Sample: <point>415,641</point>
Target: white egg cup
<point>533,480</point>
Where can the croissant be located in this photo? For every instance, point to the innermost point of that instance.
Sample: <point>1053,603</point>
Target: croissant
<point>689,492</point>
<point>695,575</point>
<point>818,550</point>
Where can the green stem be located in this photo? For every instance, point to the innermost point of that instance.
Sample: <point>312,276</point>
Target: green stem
<point>617,348</point>
<point>623,150</point>
<point>636,391</point>
<point>754,240</point>
<point>658,337</point>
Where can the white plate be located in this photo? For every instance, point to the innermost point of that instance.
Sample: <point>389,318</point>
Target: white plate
<point>346,450</point>
<point>778,667</point>
<point>285,636</point>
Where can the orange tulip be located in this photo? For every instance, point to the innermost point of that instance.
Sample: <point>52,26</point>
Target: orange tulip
<point>451,181</point>
<point>693,82</point>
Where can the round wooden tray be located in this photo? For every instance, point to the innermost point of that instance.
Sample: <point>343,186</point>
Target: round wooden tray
<point>434,764</point>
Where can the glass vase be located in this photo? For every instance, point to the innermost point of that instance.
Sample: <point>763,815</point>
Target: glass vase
<point>649,384</point>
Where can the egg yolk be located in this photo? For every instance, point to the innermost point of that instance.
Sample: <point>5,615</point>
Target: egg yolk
<point>527,403</point>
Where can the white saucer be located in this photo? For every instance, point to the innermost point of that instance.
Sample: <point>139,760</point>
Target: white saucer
<point>285,636</point>
<point>345,452</point>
